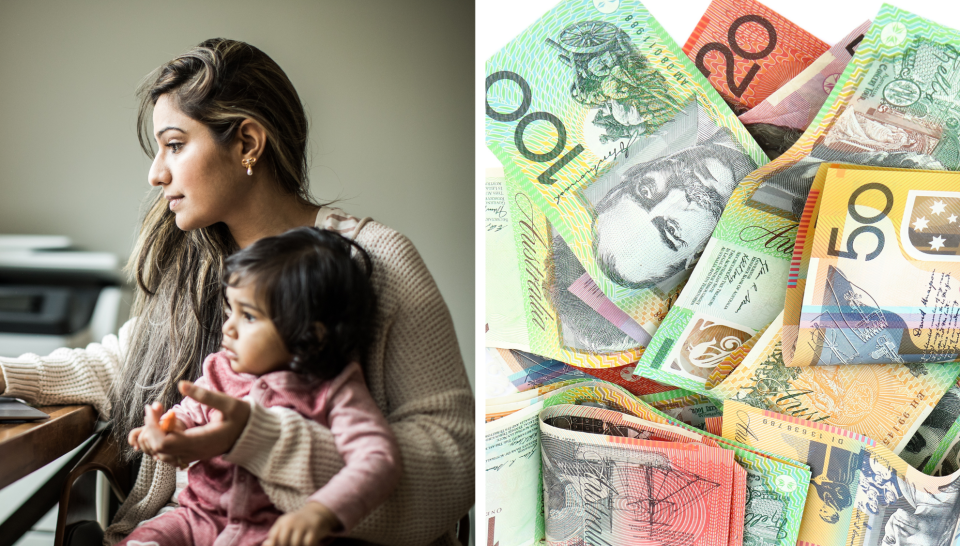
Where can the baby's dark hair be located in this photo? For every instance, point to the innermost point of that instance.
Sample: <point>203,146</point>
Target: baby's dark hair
<point>308,276</point>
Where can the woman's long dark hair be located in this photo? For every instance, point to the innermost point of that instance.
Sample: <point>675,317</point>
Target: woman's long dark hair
<point>179,301</point>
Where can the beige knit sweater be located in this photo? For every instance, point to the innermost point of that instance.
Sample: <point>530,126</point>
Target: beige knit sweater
<point>415,373</point>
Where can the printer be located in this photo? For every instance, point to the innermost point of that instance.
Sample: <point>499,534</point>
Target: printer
<point>53,296</point>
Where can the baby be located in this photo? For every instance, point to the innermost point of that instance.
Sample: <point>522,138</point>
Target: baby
<point>300,316</point>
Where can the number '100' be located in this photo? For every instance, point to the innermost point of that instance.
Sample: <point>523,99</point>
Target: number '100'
<point>525,120</point>
<point>832,249</point>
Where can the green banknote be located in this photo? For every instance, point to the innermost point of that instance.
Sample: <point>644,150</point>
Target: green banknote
<point>896,105</point>
<point>691,408</point>
<point>524,302</point>
<point>506,321</point>
<point>860,492</point>
<point>603,124</point>
<point>514,498</point>
<point>932,447</point>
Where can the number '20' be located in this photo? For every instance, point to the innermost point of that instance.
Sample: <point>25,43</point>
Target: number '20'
<point>736,89</point>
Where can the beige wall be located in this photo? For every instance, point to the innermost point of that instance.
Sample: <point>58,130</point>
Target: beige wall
<point>387,86</point>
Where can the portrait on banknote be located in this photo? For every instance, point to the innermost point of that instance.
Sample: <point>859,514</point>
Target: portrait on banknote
<point>919,516</point>
<point>653,216</point>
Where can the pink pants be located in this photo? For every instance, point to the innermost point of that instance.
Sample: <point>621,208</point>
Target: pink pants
<point>224,505</point>
<point>186,527</point>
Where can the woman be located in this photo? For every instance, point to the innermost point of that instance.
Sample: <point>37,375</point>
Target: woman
<point>231,167</point>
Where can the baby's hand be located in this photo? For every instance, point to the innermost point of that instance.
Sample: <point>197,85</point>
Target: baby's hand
<point>305,527</point>
<point>149,437</point>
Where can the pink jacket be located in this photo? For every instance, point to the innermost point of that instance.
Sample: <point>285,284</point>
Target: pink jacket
<point>362,437</point>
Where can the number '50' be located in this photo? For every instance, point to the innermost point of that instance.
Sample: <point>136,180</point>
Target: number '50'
<point>867,228</point>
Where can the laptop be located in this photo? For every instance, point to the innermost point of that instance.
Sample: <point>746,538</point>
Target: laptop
<point>12,409</point>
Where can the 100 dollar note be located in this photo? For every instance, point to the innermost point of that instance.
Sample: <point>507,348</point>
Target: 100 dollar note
<point>738,286</point>
<point>604,125</point>
<point>524,303</point>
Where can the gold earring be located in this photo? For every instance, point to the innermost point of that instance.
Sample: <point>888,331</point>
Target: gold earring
<point>249,163</point>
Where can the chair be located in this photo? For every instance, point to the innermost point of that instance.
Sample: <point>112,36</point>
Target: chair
<point>76,503</point>
<point>463,530</point>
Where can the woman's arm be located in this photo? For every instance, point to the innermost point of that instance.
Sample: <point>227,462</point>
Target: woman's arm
<point>68,376</point>
<point>417,377</point>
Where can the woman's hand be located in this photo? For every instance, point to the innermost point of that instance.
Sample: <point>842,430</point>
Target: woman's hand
<point>202,442</point>
<point>305,527</point>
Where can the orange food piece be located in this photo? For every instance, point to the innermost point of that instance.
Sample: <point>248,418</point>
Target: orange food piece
<point>167,421</point>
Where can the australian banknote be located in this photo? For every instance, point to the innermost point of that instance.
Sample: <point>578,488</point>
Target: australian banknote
<point>738,286</point>
<point>747,51</point>
<point>691,408</point>
<point>636,485</point>
<point>509,371</point>
<point>776,486</point>
<point>860,492</point>
<point>889,299</point>
<point>498,408</point>
<point>928,449</point>
<point>514,491</point>
<point>524,305</point>
<point>778,121</point>
<point>732,360</point>
<point>605,126</point>
<point>945,458</point>
<point>886,402</point>
<point>506,318</point>
<point>803,251</point>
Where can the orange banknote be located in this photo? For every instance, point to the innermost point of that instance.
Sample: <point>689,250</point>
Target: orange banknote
<point>747,51</point>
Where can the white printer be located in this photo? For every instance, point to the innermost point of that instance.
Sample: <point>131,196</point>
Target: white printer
<point>52,296</point>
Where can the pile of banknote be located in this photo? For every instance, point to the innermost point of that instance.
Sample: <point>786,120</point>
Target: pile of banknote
<point>721,305</point>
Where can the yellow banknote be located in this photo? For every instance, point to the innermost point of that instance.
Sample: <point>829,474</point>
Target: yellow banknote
<point>802,251</point>
<point>882,282</point>
<point>887,402</point>
<point>860,492</point>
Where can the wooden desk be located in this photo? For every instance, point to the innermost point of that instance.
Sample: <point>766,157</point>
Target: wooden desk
<point>25,447</point>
